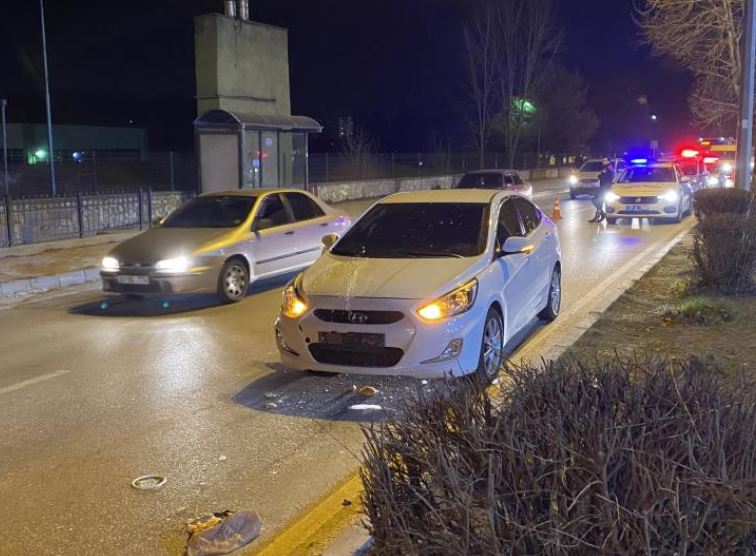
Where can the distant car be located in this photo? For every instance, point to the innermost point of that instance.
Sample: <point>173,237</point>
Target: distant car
<point>585,180</point>
<point>654,190</point>
<point>503,180</point>
<point>426,284</point>
<point>221,242</point>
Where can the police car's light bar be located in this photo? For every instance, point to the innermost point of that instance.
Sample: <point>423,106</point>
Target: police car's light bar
<point>639,161</point>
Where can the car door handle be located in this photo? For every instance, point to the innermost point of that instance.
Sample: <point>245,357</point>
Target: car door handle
<point>289,233</point>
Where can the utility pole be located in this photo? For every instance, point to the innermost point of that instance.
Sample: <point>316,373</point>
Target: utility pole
<point>743,168</point>
<point>51,152</point>
<point>3,104</point>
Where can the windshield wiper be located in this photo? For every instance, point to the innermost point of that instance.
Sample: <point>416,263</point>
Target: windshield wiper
<point>429,254</point>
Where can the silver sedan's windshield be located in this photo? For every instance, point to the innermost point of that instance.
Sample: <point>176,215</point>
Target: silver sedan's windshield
<point>215,211</point>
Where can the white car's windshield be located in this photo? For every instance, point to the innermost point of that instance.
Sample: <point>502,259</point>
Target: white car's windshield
<point>216,211</point>
<point>412,230</point>
<point>640,174</point>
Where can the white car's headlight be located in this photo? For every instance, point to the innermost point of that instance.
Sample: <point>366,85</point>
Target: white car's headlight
<point>726,167</point>
<point>451,304</point>
<point>293,302</point>
<point>670,196</point>
<point>573,180</point>
<point>712,181</point>
<point>611,197</point>
<point>110,263</point>
<point>176,264</point>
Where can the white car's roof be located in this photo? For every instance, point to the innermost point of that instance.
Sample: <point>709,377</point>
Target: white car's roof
<point>444,196</point>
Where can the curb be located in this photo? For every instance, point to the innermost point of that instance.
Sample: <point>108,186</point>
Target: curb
<point>9,290</point>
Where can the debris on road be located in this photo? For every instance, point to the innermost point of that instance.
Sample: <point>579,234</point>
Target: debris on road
<point>271,396</point>
<point>365,407</point>
<point>423,382</point>
<point>368,391</point>
<point>351,389</point>
<point>148,482</point>
<point>222,458</point>
<point>270,405</point>
<point>222,532</point>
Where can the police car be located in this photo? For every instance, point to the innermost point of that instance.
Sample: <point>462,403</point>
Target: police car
<point>647,189</point>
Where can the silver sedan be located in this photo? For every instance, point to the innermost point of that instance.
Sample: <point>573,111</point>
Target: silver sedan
<point>222,242</point>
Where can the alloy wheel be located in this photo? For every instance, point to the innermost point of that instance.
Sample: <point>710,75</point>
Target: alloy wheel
<point>235,281</point>
<point>492,345</point>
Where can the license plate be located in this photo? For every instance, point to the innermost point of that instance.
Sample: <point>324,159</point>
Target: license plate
<point>352,340</point>
<point>636,208</point>
<point>133,280</point>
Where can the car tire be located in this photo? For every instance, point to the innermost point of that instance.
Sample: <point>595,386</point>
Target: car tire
<point>611,220</point>
<point>679,216</point>
<point>233,281</point>
<point>491,347</point>
<point>554,297</point>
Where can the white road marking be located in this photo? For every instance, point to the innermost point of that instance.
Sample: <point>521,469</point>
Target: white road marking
<point>32,381</point>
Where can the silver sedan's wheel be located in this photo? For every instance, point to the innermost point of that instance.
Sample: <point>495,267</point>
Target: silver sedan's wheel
<point>492,346</point>
<point>554,299</point>
<point>233,281</point>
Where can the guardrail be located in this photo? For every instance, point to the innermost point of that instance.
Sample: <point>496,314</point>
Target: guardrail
<point>37,219</point>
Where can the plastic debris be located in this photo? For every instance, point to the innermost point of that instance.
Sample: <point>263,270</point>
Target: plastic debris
<point>270,396</point>
<point>148,482</point>
<point>270,405</point>
<point>423,382</point>
<point>222,458</point>
<point>222,532</point>
<point>368,391</point>
<point>365,407</point>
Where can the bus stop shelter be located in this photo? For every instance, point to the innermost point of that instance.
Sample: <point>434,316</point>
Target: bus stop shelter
<point>247,151</point>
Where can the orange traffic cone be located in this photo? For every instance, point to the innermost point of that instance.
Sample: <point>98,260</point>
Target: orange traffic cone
<point>556,212</point>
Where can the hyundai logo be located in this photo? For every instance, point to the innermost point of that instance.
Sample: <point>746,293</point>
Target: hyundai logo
<point>357,318</point>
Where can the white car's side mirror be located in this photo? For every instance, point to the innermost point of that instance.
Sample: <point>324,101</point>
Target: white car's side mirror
<point>516,245</point>
<point>329,240</point>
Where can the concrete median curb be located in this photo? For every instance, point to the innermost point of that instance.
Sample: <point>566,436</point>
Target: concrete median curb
<point>9,291</point>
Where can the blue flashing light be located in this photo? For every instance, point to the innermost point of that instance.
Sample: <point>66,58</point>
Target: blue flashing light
<point>639,161</point>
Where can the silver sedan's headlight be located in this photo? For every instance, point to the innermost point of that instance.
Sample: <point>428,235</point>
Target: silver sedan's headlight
<point>573,180</point>
<point>110,263</point>
<point>176,264</point>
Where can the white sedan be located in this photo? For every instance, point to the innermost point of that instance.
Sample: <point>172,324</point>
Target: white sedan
<point>425,284</point>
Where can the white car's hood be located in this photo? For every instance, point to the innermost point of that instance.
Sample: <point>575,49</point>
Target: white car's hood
<point>643,189</point>
<point>409,278</point>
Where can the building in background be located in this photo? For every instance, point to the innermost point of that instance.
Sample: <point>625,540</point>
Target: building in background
<point>28,142</point>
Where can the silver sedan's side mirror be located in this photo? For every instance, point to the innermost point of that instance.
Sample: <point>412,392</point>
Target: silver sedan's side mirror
<point>329,240</point>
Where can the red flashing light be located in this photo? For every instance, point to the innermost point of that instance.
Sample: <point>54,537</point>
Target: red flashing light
<point>689,153</point>
<point>710,159</point>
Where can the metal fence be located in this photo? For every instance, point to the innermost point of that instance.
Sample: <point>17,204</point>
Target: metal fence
<point>36,219</point>
<point>330,167</point>
<point>102,171</point>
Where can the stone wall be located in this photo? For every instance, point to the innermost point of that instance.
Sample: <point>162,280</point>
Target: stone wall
<point>41,219</point>
<point>368,189</point>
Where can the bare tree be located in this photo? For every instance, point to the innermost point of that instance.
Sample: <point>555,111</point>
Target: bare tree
<point>359,148</point>
<point>481,45</point>
<point>510,45</point>
<point>528,45</point>
<point>703,36</point>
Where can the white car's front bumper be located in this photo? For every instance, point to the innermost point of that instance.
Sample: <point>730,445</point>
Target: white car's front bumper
<point>642,207</point>
<point>409,344</point>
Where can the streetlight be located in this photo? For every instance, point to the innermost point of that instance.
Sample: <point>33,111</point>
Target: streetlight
<point>51,162</point>
<point>3,104</point>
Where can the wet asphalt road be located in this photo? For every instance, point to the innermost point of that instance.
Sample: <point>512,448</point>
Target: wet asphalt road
<point>96,392</point>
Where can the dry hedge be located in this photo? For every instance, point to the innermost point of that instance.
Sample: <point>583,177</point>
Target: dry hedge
<point>724,251</point>
<point>719,201</point>
<point>612,458</point>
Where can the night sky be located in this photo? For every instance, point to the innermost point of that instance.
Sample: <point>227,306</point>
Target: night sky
<point>396,66</point>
